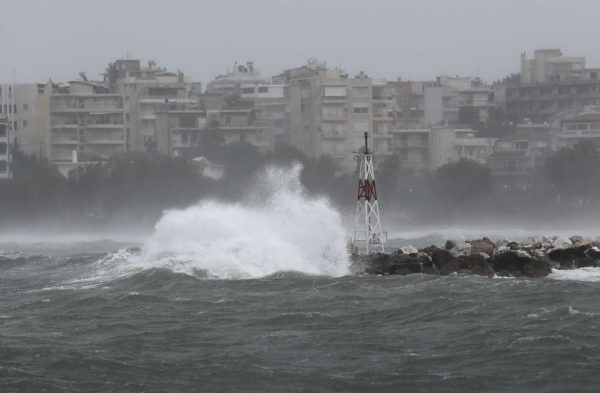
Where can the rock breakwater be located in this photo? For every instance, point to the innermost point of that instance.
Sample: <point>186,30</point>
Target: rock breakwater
<point>484,257</point>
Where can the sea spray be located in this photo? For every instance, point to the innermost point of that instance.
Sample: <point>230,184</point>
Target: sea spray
<point>278,228</point>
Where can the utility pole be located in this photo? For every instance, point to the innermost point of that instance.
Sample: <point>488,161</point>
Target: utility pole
<point>367,229</point>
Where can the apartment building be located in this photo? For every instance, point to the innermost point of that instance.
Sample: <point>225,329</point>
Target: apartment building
<point>583,126</point>
<point>550,84</point>
<point>5,159</point>
<point>87,124</point>
<point>412,148</point>
<point>268,96</point>
<point>187,136</point>
<point>148,91</point>
<point>549,65</point>
<point>517,160</point>
<point>271,104</point>
<point>26,107</point>
<point>449,145</point>
<point>329,112</point>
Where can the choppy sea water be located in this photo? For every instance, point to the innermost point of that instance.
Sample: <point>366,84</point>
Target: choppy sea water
<point>80,322</point>
<point>257,297</point>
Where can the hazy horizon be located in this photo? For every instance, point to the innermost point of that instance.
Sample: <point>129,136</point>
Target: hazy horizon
<point>385,38</point>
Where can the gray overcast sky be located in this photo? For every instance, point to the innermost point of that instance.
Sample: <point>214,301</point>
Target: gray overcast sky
<point>416,39</point>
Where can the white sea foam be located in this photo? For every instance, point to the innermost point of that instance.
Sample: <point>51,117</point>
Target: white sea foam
<point>280,230</point>
<point>590,274</point>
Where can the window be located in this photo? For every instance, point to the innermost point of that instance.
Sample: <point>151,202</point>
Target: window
<point>263,89</point>
<point>524,145</point>
<point>361,109</point>
<point>25,107</point>
<point>3,148</point>
<point>2,130</point>
<point>248,90</point>
<point>25,123</point>
<point>3,166</point>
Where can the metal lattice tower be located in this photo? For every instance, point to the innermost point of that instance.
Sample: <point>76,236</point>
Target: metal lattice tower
<point>368,234</point>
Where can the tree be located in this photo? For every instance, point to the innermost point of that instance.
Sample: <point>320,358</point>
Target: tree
<point>574,171</point>
<point>469,115</point>
<point>463,183</point>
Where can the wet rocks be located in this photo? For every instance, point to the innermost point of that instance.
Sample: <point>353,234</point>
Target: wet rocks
<point>486,258</point>
<point>477,264</point>
<point>482,245</point>
<point>450,244</point>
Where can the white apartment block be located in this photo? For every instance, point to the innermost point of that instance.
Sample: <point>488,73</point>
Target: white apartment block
<point>26,107</point>
<point>412,148</point>
<point>549,65</point>
<point>148,91</point>
<point>447,145</point>
<point>5,160</point>
<point>270,101</point>
<point>330,112</point>
<point>87,124</point>
<point>583,126</point>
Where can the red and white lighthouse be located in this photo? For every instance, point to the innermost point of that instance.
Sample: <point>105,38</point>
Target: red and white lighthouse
<point>368,235</point>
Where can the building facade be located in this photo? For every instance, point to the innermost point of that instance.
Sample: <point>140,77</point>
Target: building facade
<point>329,112</point>
<point>449,145</point>
<point>5,157</point>
<point>550,84</point>
<point>87,124</point>
<point>146,92</point>
<point>583,127</point>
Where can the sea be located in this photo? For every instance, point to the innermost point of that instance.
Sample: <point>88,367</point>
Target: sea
<point>259,297</point>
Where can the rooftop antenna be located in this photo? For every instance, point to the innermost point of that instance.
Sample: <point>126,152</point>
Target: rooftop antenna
<point>367,230</point>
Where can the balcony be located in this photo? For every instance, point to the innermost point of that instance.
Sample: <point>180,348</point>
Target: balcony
<point>328,116</point>
<point>67,126</point>
<point>334,100</point>
<point>105,141</point>
<point>64,141</point>
<point>105,126</point>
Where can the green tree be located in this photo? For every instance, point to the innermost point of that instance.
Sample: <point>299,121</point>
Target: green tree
<point>461,184</point>
<point>574,171</point>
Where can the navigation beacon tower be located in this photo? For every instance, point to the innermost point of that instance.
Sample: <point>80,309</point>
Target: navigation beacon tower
<point>367,231</point>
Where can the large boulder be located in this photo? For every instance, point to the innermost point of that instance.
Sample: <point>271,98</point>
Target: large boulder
<point>475,264</point>
<point>404,264</point>
<point>561,242</point>
<point>538,267</point>
<point>427,264</point>
<point>409,250</point>
<point>429,250</point>
<point>566,256</point>
<point>593,252</point>
<point>450,244</point>
<point>377,263</point>
<point>482,245</point>
<point>577,239</point>
<point>519,263</point>
<point>445,261</point>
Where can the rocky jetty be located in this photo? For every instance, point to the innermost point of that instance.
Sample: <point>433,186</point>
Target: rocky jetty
<point>484,257</point>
